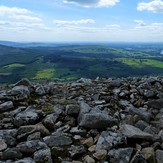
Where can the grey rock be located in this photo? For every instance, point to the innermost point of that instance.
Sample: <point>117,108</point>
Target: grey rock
<point>159,156</point>
<point>41,90</point>
<point>19,93</point>
<point>31,146</point>
<point>34,136</point>
<point>24,131</point>
<point>6,106</point>
<point>3,145</point>
<point>58,140</point>
<point>50,120</point>
<point>122,155</point>
<point>141,125</point>
<point>108,140</point>
<point>88,159</point>
<point>138,158</point>
<point>25,160</point>
<point>27,117</point>
<point>157,104</point>
<point>11,154</point>
<point>78,131</point>
<point>85,81</point>
<point>94,118</point>
<point>76,151</point>
<point>43,155</point>
<point>133,132</point>
<point>72,110</point>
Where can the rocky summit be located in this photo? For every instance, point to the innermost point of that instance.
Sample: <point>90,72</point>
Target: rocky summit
<point>114,120</point>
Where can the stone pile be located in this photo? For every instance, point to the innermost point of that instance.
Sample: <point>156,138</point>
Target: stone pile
<point>87,121</point>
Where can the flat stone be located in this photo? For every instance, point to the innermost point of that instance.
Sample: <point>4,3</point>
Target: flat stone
<point>59,140</point>
<point>6,106</point>
<point>135,133</point>
<point>149,154</point>
<point>31,146</point>
<point>25,160</point>
<point>88,159</point>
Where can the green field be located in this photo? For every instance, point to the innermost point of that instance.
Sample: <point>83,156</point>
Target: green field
<point>73,62</point>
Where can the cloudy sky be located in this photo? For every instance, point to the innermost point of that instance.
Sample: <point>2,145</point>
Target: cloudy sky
<point>81,20</point>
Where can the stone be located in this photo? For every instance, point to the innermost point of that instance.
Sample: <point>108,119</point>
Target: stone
<point>76,151</point>
<point>135,133</point>
<point>28,117</point>
<point>50,120</point>
<point>58,140</point>
<point>100,155</point>
<point>108,140</point>
<point>25,160</point>
<point>159,156</point>
<point>157,104</point>
<point>6,106</point>
<point>78,131</point>
<point>19,93</point>
<point>34,136</point>
<point>40,90</point>
<point>95,118</point>
<point>72,110</point>
<point>25,131</point>
<point>11,154</point>
<point>88,159</point>
<point>43,156</point>
<point>121,155</point>
<point>141,125</point>
<point>138,158</point>
<point>88,142</point>
<point>3,145</point>
<point>29,147</point>
<point>149,154</point>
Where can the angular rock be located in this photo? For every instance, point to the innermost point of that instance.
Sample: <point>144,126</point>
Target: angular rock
<point>76,151</point>
<point>43,156</point>
<point>108,140</point>
<point>88,142</point>
<point>88,159</point>
<point>25,160</point>
<point>59,140</point>
<point>100,155</point>
<point>157,104</point>
<point>6,106</point>
<point>159,156</point>
<point>72,110</point>
<point>19,93</point>
<point>50,120</point>
<point>24,131</point>
<point>11,154</point>
<point>3,145</point>
<point>28,117</point>
<point>149,154</point>
<point>135,133</point>
<point>122,155</point>
<point>29,147</point>
<point>95,118</point>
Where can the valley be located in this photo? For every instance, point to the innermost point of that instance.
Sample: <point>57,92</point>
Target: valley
<point>65,62</point>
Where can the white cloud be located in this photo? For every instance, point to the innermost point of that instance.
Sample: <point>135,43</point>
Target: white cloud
<point>155,6</point>
<point>26,18</point>
<point>73,22</point>
<point>5,10</point>
<point>93,3</point>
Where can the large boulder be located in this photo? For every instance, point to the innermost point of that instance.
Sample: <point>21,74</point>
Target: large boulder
<point>94,118</point>
<point>132,132</point>
<point>28,117</point>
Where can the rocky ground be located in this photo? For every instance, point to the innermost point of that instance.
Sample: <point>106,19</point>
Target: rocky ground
<point>104,120</point>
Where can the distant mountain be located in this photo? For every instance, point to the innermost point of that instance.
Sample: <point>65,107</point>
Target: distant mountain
<point>31,44</point>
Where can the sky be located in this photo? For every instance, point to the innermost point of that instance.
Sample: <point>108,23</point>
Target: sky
<point>81,20</point>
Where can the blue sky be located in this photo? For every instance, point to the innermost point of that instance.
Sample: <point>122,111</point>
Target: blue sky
<point>81,20</point>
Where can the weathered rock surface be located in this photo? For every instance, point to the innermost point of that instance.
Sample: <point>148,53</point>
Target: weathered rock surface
<point>115,120</point>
